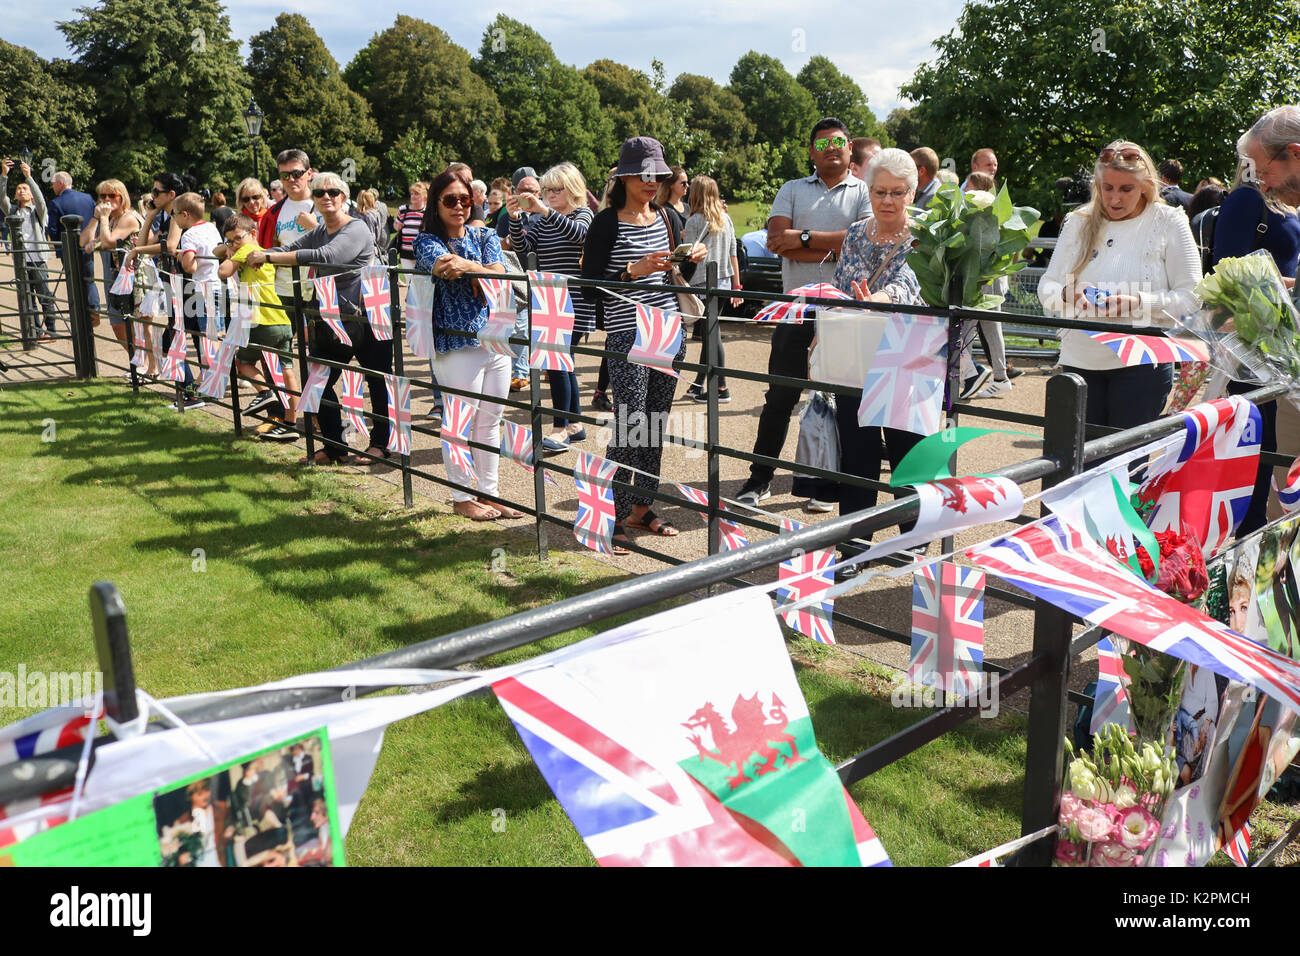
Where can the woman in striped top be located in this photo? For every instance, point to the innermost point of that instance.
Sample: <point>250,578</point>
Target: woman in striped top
<point>632,241</point>
<point>408,222</point>
<point>556,234</point>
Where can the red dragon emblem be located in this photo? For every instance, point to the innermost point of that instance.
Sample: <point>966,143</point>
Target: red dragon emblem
<point>984,492</point>
<point>752,734</point>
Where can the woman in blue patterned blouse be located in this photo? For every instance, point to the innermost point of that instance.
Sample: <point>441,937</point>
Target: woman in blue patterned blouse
<point>447,249</point>
<point>873,268</point>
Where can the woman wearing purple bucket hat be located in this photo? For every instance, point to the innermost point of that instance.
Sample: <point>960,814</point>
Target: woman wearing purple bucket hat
<point>632,241</point>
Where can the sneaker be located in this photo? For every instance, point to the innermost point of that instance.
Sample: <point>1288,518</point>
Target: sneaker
<point>1014,372</point>
<point>281,431</point>
<point>754,493</point>
<point>553,446</point>
<point>579,435</point>
<point>976,382</point>
<point>696,394</point>
<point>191,400</point>
<point>724,395</point>
<point>600,403</point>
<point>435,414</point>
<point>995,387</point>
<point>260,401</point>
<point>823,507</point>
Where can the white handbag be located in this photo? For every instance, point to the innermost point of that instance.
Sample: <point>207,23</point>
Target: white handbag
<point>847,341</point>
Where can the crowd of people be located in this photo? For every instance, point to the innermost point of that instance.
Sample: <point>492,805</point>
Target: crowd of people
<point>1130,253</point>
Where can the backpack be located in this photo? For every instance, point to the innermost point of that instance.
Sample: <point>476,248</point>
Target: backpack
<point>1203,225</point>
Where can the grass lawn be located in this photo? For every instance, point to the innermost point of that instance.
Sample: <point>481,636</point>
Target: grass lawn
<point>741,213</point>
<point>302,570</point>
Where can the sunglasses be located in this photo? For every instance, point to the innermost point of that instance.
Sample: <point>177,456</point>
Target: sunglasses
<point>837,142</point>
<point>252,198</point>
<point>332,193</point>
<point>451,202</point>
<point>158,192</point>
<point>1129,155</point>
<point>295,174</point>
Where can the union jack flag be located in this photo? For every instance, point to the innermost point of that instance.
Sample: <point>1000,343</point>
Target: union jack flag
<point>209,347</point>
<point>173,366</point>
<point>140,339</point>
<point>1289,494</point>
<point>377,300</point>
<point>1238,848</point>
<point>658,338</point>
<point>124,284</point>
<point>237,329</point>
<point>216,380</point>
<point>594,527</point>
<point>312,389</point>
<point>495,335</point>
<point>1052,561</point>
<point>732,537</point>
<point>274,369</point>
<point>351,397</point>
<point>40,734</point>
<point>208,287</point>
<point>159,358</point>
<point>517,445</point>
<point>419,316</point>
<point>1110,703</point>
<point>814,574</point>
<point>327,299</point>
<point>798,311</point>
<point>239,304</point>
<point>948,629</point>
<point>904,385</point>
<point>399,409</point>
<point>551,322</point>
<point>457,420</point>
<point>1151,349</point>
<point>1205,485</point>
<point>178,302</point>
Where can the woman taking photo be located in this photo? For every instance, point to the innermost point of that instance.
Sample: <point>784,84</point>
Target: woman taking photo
<point>873,268</point>
<point>631,241</point>
<point>340,246</point>
<point>1129,258</point>
<point>114,229</point>
<point>556,233</point>
<point>710,225</point>
<point>447,248</point>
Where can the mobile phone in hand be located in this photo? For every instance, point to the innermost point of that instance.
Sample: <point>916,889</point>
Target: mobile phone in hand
<point>682,252</point>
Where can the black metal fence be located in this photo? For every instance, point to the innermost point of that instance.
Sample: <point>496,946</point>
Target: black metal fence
<point>1068,447</point>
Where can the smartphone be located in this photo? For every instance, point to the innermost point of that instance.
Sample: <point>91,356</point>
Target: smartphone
<point>525,201</point>
<point>682,252</point>
<point>1095,296</point>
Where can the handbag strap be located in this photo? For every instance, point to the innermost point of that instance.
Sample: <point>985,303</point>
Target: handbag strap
<point>889,257</point>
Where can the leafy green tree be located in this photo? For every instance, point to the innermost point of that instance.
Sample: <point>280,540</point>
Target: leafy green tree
<point>906,130</point>
<point>717,117</point>
<point>836,94</point>
<point>416,156</point>
<point>782,111</point>
<point>414,76</point>
<point>45,112</point>
<point>307,104</point>
<point>1181,78</point>
<point>629,99</point>
<point>169,89</point>
<point>553,112</point>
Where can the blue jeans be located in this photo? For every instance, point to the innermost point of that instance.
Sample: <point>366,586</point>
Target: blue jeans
<point>564,391</point>
<point>1126,397</point>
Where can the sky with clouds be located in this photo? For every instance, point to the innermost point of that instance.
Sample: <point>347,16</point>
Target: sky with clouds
<point>877,42</point>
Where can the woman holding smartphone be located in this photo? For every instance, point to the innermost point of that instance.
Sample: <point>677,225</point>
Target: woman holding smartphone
<point>1126,257</point>
<point>632,241</point>
<point>447,248</point>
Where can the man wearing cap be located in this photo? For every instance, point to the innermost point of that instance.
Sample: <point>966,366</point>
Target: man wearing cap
<point>517,179</point>
<point>806,229</point>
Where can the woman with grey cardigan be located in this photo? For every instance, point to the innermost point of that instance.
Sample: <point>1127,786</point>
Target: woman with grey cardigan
<point>30,208</point>
<point>709,224</point>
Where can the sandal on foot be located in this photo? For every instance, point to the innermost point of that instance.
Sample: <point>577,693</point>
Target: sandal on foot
<point>653,523</point>
<point>505,511</point>
<point>619,541</point>
<point>475,511</point>
<point>323,458</point>
<point>375,454</point>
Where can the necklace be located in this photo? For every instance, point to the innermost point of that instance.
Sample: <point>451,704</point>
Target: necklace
<point>897,236</point>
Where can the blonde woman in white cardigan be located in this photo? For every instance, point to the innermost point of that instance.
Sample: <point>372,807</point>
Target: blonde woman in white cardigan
<point>1127,258</point>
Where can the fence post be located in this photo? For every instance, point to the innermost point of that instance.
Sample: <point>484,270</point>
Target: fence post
<point>535,420</point>
<point>25,314</point>
<point>712,342</point>
<point>303,326</point>
<point>1063,438</point>
<point>113,649</point>
<point>395,313</point>
<point>74,266</point>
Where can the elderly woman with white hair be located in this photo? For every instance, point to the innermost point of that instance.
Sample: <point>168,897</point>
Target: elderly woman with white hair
<point>873,268</point>
<point>341,246</point>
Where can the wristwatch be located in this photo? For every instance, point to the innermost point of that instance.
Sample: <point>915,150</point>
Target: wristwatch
<point>804,238</point>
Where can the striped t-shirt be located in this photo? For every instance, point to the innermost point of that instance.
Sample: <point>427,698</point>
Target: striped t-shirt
<point>408,227</point>
<point>557,239</point>
<point>634,243</point>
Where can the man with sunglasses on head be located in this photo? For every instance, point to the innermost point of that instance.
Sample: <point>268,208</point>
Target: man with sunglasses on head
<point>806,229</point>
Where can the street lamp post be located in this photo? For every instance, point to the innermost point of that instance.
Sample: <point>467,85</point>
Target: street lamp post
<point>253,123</point>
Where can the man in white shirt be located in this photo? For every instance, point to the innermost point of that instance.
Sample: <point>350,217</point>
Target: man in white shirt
<point>296,215</point>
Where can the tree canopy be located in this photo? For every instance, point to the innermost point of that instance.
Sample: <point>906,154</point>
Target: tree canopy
<point>837,94</point>
<point>782,111</point>
<point>46,112</point>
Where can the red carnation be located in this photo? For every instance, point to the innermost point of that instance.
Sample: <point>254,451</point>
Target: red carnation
<point>1182,566</point>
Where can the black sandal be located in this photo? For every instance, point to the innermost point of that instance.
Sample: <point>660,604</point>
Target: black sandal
<point>619,532</point>
<point>653,523</point>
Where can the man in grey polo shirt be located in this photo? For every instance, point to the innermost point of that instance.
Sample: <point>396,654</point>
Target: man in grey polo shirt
<point>806,229</point>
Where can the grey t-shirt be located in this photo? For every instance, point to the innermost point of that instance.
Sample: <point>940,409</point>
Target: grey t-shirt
<point>808,204</point>
<point>341,254</point>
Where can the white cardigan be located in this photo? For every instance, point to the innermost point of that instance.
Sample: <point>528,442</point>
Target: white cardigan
<point>1153,257</point>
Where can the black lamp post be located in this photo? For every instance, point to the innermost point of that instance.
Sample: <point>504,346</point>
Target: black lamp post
<point>253,123</point>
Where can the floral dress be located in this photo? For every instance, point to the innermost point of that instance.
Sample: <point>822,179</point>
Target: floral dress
<point>861,256</point>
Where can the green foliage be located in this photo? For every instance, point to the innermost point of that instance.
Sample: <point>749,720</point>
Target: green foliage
<point>416,156</point>
<point>906,129</point>
<point>45,112</point>
<point>169,89</point>
<point>307,104</point>
<point>782,111</point>
<point>554,112</point>
<point>977,237</point>
<point>1045,84</point>
<point>717,118</point>
<point>414,76</point>
<point>836,94</point>
<point>757,177</point>
<point>629,99</point>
